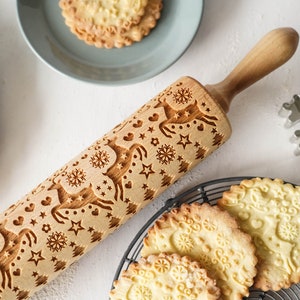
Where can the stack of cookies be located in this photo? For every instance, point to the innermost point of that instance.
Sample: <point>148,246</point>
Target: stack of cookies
<point>269,211</point>
<point>111,23</point>
<point>199,251</point>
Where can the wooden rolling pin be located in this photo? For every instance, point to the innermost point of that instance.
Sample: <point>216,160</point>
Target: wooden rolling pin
<point>92,195</point>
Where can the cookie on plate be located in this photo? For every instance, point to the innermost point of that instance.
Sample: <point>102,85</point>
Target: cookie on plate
<point>269,211</point>
<point>212,237</point>
<point>164,277</point>
<point>107,23</point>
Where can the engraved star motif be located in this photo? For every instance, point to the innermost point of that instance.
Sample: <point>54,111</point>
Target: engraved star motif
<point>187,113</point>
<point>76,227</point>
<point>214,130</point>
<point>33,222</point>
<point>72,244</point>
<point>36,257</point>
<point>162,172</point>
<point>145,186</point>
<point>147,170</point>
<point>180,158</point>
<point>91,229</point>
<point>69,200</point>
<point>124,156</point>
<point>184,140</point>
<point>142,136</point>
<point>11,243</point>
<point>34,274</point>
<point>120,166</point>
<point>42,214</point>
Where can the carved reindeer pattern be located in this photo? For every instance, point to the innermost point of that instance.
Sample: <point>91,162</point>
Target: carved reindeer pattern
<point>182,116</point>
<point>10,250</point>
<point>75,201</point>
<point>124,159</point>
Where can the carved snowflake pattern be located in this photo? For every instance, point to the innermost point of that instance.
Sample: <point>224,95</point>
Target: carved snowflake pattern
<point>100,159</point>
<point>56,241</point>
<point>165,154</point>
<point>76,177</point>
<point>222,240</point>
<point>208,225</point>
<point>162,265</point>
<point>179,273</point>
<point>182,95</point>
<point>288,231</point>
<point>184,242</point>
<point>142,293</point>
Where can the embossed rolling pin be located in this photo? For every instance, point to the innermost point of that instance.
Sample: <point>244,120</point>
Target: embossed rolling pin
<point>92,195</point>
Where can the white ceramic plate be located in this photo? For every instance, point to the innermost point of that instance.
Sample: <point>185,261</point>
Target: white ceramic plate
<point>46,33</point>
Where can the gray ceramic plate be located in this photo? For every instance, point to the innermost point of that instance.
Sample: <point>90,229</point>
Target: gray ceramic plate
<point>43,27</point>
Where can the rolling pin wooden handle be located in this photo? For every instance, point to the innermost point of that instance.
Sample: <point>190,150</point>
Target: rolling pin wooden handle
<point>272,51</point>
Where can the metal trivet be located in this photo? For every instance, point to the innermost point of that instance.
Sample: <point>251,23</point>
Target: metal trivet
<point>208,192</point>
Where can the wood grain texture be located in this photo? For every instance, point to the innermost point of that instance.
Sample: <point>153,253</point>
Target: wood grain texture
<point>92,195</point>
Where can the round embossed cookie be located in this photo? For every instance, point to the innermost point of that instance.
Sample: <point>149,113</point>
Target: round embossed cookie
<point>107,23</point>
<point>210,236</point>
<point>164,277</point>
<point>269,211</point>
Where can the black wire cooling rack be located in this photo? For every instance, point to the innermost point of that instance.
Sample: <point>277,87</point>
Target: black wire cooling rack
<point>208,192</point>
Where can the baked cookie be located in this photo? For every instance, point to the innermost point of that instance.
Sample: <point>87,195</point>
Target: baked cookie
<point>269,211</point>
<point>164,277</point>
<point>111,23</point>
<point>210,236</point>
